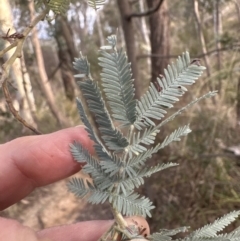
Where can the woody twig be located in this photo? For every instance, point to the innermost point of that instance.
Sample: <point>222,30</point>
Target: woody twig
<point>17,40</point>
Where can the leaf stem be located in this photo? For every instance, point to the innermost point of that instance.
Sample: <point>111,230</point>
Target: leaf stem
<point>130,133</point>
<point>119,219</point>
<point>170,118</point>
<point>14,44</point>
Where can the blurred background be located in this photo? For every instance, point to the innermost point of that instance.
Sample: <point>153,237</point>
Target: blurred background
<point>154,33</point>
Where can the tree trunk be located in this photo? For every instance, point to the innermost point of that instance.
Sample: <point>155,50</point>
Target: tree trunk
<point>27,85</point>
<point>100,28</point>
<point>128,29</point>
<point>217,23</point>
<point>143,27</point>
<point>66,54</point>
<point>201,37</point>
<point>159,37</point>
<point>24,106</point>
<point>238,102</point>
<point>45,85</point>
<point>145,36</point>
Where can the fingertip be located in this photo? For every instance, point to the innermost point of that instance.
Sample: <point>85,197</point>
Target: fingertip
<point>84,231</point>
<point>29,160</point>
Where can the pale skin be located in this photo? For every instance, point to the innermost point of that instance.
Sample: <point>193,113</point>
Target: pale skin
<point>24,165</point>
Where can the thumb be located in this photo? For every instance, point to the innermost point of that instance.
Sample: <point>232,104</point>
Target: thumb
<point>12,230</point>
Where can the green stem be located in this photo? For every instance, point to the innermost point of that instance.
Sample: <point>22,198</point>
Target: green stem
<point>119,219</point>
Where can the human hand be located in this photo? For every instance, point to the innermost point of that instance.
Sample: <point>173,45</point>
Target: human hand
<point>25,164</point>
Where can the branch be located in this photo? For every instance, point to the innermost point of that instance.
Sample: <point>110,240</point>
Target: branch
<point>54,71</point>
<point>146,13</point>
<point>18,43</point>
<point>119,218</point>
<point>14,111</point>
<point>14,44</point>
<point>230,155</point>
<point>176,56</point>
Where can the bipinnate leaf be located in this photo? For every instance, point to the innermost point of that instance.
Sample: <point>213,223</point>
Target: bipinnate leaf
<point>137,147</point>
<point>57,6</point>
<point>112,137</point>
<point>120,163</point>
<point>211,230</point>
<point>126,185</point>
<point>132,204</point>
<point>129,205</point>
<point>86,122</point>
<point>171,86</point>
<point>235,234</point>
<point>151,132</point>
<point>117,83</point>
<point>165,234</point>
<point>82,65</point>
<point>91,166</point>
<point>85,189</point>
<point>100,149</point>
<point>133,169</point>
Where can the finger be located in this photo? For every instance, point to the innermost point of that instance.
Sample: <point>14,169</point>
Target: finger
<point>34,161</point>
<point>86,231</point>
<point>12,230</point>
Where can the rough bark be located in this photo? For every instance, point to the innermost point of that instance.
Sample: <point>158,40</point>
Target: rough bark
<point>24,106</point>
<point>159,37</point>
<point>128,29</point>
<point>44,84</point>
